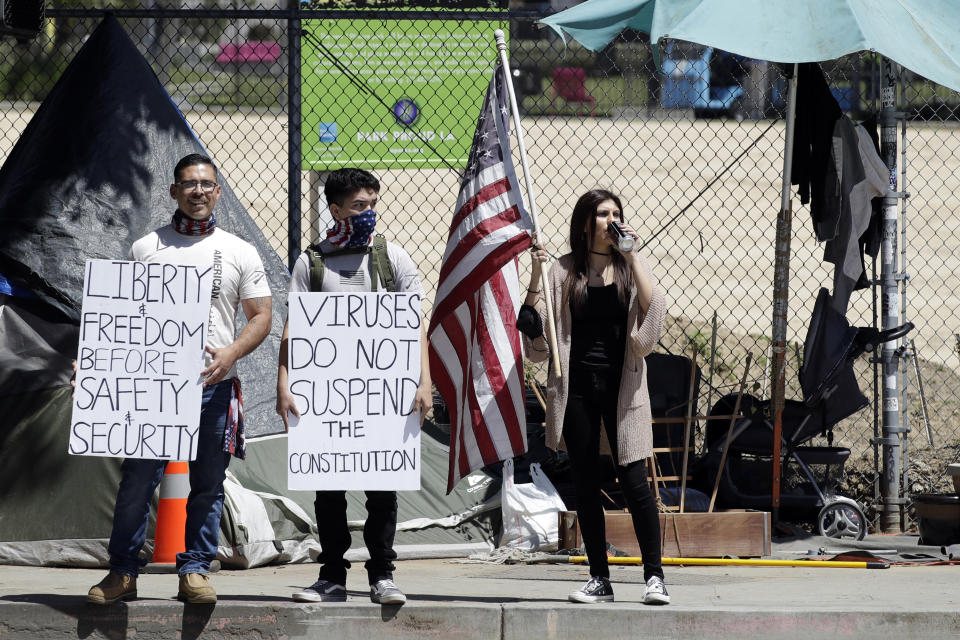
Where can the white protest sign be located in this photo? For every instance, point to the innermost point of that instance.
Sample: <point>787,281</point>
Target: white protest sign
<point>143,329</point>
<point>354,368</point>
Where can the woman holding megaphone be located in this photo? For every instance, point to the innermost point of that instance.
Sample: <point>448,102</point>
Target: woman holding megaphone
<point>609,316</point>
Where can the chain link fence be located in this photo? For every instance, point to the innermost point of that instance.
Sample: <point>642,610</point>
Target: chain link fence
<point>696,154</point>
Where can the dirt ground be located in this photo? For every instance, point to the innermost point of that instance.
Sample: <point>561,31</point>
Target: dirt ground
<point>717,257</point>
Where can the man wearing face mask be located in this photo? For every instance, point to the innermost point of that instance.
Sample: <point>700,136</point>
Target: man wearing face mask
<point>352,258</point>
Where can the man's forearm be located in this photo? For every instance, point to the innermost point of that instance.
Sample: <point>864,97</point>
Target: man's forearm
<point>252,334</point>
<point>282,374</point>
<point>424,358</point>
<point>259,318</point>
<point>282,365</point>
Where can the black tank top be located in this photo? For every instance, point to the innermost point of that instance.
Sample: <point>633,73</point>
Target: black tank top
<point>599,332</point>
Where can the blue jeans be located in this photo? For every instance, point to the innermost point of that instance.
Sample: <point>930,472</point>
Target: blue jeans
<point>140,478</point>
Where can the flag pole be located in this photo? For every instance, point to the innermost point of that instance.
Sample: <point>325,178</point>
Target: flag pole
<point>544,284</point>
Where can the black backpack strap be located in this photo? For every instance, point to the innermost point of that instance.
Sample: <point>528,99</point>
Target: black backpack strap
<point>380,264</point>
<point>317,267</point>
<point>380,268</point>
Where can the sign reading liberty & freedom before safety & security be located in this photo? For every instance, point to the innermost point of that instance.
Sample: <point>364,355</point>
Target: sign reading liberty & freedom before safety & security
<point>143,329</point>
<point>354,368</point>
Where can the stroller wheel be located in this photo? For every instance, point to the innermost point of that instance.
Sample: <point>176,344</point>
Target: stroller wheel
<point>842,518</point>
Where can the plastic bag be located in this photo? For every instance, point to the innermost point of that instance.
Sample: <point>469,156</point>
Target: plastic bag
<point>530,511</point>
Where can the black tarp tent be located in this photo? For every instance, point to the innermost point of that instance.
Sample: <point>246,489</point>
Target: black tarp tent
<point>89,176</point>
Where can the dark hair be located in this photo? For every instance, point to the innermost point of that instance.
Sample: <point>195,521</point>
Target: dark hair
<point>585,215</point>
<point>343,183</point>
<point>190,161</point>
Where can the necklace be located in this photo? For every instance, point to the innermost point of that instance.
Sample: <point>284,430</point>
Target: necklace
<point>599,272</point>
<point>599,253</point>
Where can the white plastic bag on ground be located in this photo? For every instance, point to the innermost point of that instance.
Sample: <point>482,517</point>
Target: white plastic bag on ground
<point>529,511</point>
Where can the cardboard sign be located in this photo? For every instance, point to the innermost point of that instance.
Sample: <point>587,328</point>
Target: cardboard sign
<point>354,368</point>
<point>143,330</point>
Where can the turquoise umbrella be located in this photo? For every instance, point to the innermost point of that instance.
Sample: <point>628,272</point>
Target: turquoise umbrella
<point>921,35</point>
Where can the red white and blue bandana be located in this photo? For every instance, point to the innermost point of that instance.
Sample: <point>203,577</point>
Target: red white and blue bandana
<point>234,435</point>
<point>187,226</point>
<point>353,232</point>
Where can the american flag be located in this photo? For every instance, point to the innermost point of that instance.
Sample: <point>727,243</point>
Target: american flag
<point>475,354</point>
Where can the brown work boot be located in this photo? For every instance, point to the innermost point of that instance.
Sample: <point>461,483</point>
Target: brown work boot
<point>114,588</point>
<point>195,588</point>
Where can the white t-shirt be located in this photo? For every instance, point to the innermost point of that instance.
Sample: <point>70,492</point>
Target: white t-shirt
<point>237,273</point>
<point>351,271</point>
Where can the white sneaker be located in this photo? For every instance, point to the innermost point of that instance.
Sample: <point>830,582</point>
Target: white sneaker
<point>596,590</point>
<point>386,592</point>
<point>322,591</point>
<point>656,592</point>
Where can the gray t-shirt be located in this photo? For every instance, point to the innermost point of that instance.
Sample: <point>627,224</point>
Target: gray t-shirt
<point>351,271</point>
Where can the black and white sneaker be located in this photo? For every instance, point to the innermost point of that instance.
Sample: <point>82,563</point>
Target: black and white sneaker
<point>597,590</point>
<point>656,592</point>
<point>386,592</point>
<point>322,591</point>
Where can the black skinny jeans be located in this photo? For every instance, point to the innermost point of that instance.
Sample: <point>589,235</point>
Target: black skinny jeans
<point>378,534</point>
<point>593,396</point>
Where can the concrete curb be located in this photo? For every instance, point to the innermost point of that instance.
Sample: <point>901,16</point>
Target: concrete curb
<point>50,617</point>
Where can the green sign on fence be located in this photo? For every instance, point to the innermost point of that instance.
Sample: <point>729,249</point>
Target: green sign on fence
<point>429,78</point>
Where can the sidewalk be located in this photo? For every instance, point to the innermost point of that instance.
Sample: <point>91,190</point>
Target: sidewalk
<point>448,599</point>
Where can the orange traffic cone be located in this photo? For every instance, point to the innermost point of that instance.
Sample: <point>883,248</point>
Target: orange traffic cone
<point>169,539</point>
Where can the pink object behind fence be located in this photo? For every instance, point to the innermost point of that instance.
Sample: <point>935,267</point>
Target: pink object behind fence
<point>267,52</point>
<point>570,83</point>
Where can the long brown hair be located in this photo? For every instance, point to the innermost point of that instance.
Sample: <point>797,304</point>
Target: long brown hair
<point>585,215</point>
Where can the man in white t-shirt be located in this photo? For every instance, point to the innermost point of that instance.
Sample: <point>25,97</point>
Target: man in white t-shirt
<point>193,238</point>
<point>347,251</point>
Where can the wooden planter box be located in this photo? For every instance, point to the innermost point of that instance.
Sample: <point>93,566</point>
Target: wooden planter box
<point>744,534</point>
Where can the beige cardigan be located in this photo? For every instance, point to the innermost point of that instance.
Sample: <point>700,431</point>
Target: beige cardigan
<point>634,428</point>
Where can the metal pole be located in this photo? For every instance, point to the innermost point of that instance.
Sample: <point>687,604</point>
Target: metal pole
<point>873,85</point>
<point>501,41</point>
<point>781,291</point>
<point>904,342</point>
<point>687,423</point>
<point>713,361</point>
<point>757,89</point>
<point>294,150</point>
<point>875,440</point>
<point>889,317</point>
<point>923,395</point>
<point>731,562</point>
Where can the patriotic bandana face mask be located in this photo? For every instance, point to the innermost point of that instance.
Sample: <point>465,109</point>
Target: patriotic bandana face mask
<point>353,232</point>
<point>187,226</point>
